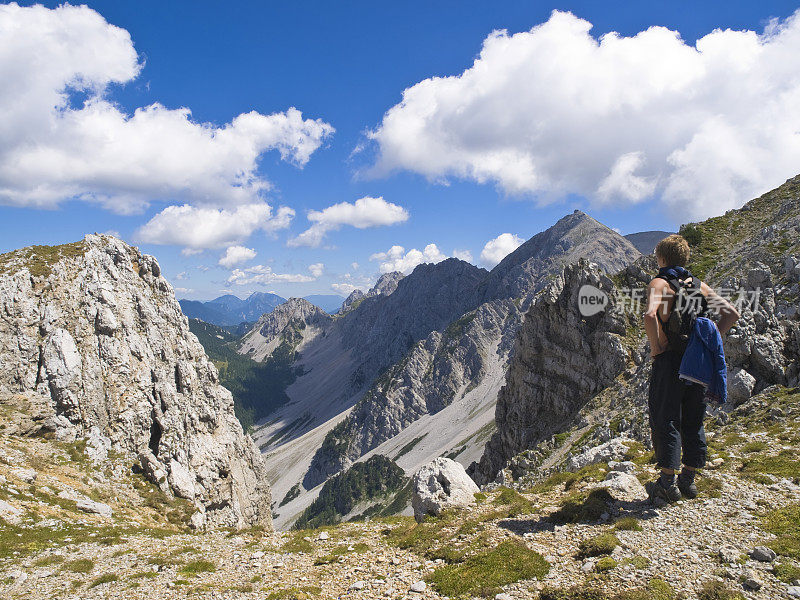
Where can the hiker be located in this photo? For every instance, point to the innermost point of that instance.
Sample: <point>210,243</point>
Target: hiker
<point>688,367</point>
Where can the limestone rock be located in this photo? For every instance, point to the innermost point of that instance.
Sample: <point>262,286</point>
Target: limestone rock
<point>624,486</point>
<point>612,450</point>
<point>740,386</point>
<point>561,359</point>
<point>90,506</point>
<point>97,335</point>
<point>9,513</point>
<point>440,485</point>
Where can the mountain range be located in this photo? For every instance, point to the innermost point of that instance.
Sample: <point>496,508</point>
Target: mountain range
<point>230,310</point>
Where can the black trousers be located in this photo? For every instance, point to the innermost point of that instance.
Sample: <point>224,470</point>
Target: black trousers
<point>676,415</point>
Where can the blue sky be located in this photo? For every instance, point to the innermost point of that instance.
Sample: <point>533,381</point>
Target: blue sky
<point>347,64</point>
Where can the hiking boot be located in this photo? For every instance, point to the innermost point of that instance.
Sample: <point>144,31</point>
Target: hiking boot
<point>686,485</point>
<point>656,489</point>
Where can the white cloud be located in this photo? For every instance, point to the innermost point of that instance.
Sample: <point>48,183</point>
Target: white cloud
<point>183,290</point>
<point>316,269</point>
<point>235,255</point>
<point>264,275</point>
<point>181,276</point>
<point>463,255</point>
<point>354,266</point>
<point>498,248</point>
<point>397,259</point>
<point>363,213</point>
<point>198,227</point>
<point>62,138</point>
<point>555,111</point>
<point>343,288</point>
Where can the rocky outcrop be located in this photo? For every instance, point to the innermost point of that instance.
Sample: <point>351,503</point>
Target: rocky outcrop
<point>92,334</point>
<point>441,485</point>
<point>286,323</point>
<point>561,360</point>
<point>386,284</point>
<point>352,300</point>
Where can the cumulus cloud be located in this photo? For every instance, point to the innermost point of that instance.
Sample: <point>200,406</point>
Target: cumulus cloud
<point>397,259</point>
<point>264,275</point>
<point>465,255</point>
<point>555,111</point>
<point>235,255</point>
<point>198,227</point>
<point>363,213</point>
<point>183,290</point>
<point>316,269</point>
<point>62,138</point>
<point>343,288</point>
<point>498,248</point>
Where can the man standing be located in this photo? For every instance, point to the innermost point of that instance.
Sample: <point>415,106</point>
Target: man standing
<point>677,407</point>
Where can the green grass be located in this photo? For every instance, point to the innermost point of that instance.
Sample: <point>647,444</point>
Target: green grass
<point>297,545</point>
<point>199,566</point>
<point>567,479</point>
<point>716,590</point>
<point>656,589</point>
<point>598,545</point>
<point>708,486</point>
<point>783,464</point>
<point>582,507</point>
<point>754,446</point>
<point>485,573</point>
<point>295,593</point>
<point>81,565</point>
<point>787,572</point>
<point>341,550</point>
<point>513,504</point>
<point>105,578</point>
<point>605,564</point>
<point>784,522</point>
<point>40,259</point>
<point>144,575</point>
<point>47,561</point>
<point>627,524</point>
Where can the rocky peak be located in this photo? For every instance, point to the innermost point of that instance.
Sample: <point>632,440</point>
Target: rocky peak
<point>572,237</point>
<point>91,334</point>
<point>386,284</point>
<point>351,301</point>
<point>286,322</point>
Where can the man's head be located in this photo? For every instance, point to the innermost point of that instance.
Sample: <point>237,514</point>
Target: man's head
<point>672,251</point>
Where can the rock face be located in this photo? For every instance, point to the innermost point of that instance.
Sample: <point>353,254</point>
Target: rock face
<point>561,360</point>
<point>92,334</point>
<point>440,485</point>
<point>286,322</point>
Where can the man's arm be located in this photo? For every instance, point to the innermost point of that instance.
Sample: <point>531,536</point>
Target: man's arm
<point>728,315</point>
<point>654,298</point>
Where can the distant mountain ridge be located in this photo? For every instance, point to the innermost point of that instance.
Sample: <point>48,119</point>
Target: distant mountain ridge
<point>645,241</point>
<point>230,309</point>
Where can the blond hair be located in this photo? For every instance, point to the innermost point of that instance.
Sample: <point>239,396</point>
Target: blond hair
<point>674,250</point>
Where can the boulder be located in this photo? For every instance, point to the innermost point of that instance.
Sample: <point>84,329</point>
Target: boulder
<point>439,485</point>
<point>624,486</point>
<point>614,449</point>
<point>740,386</point>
